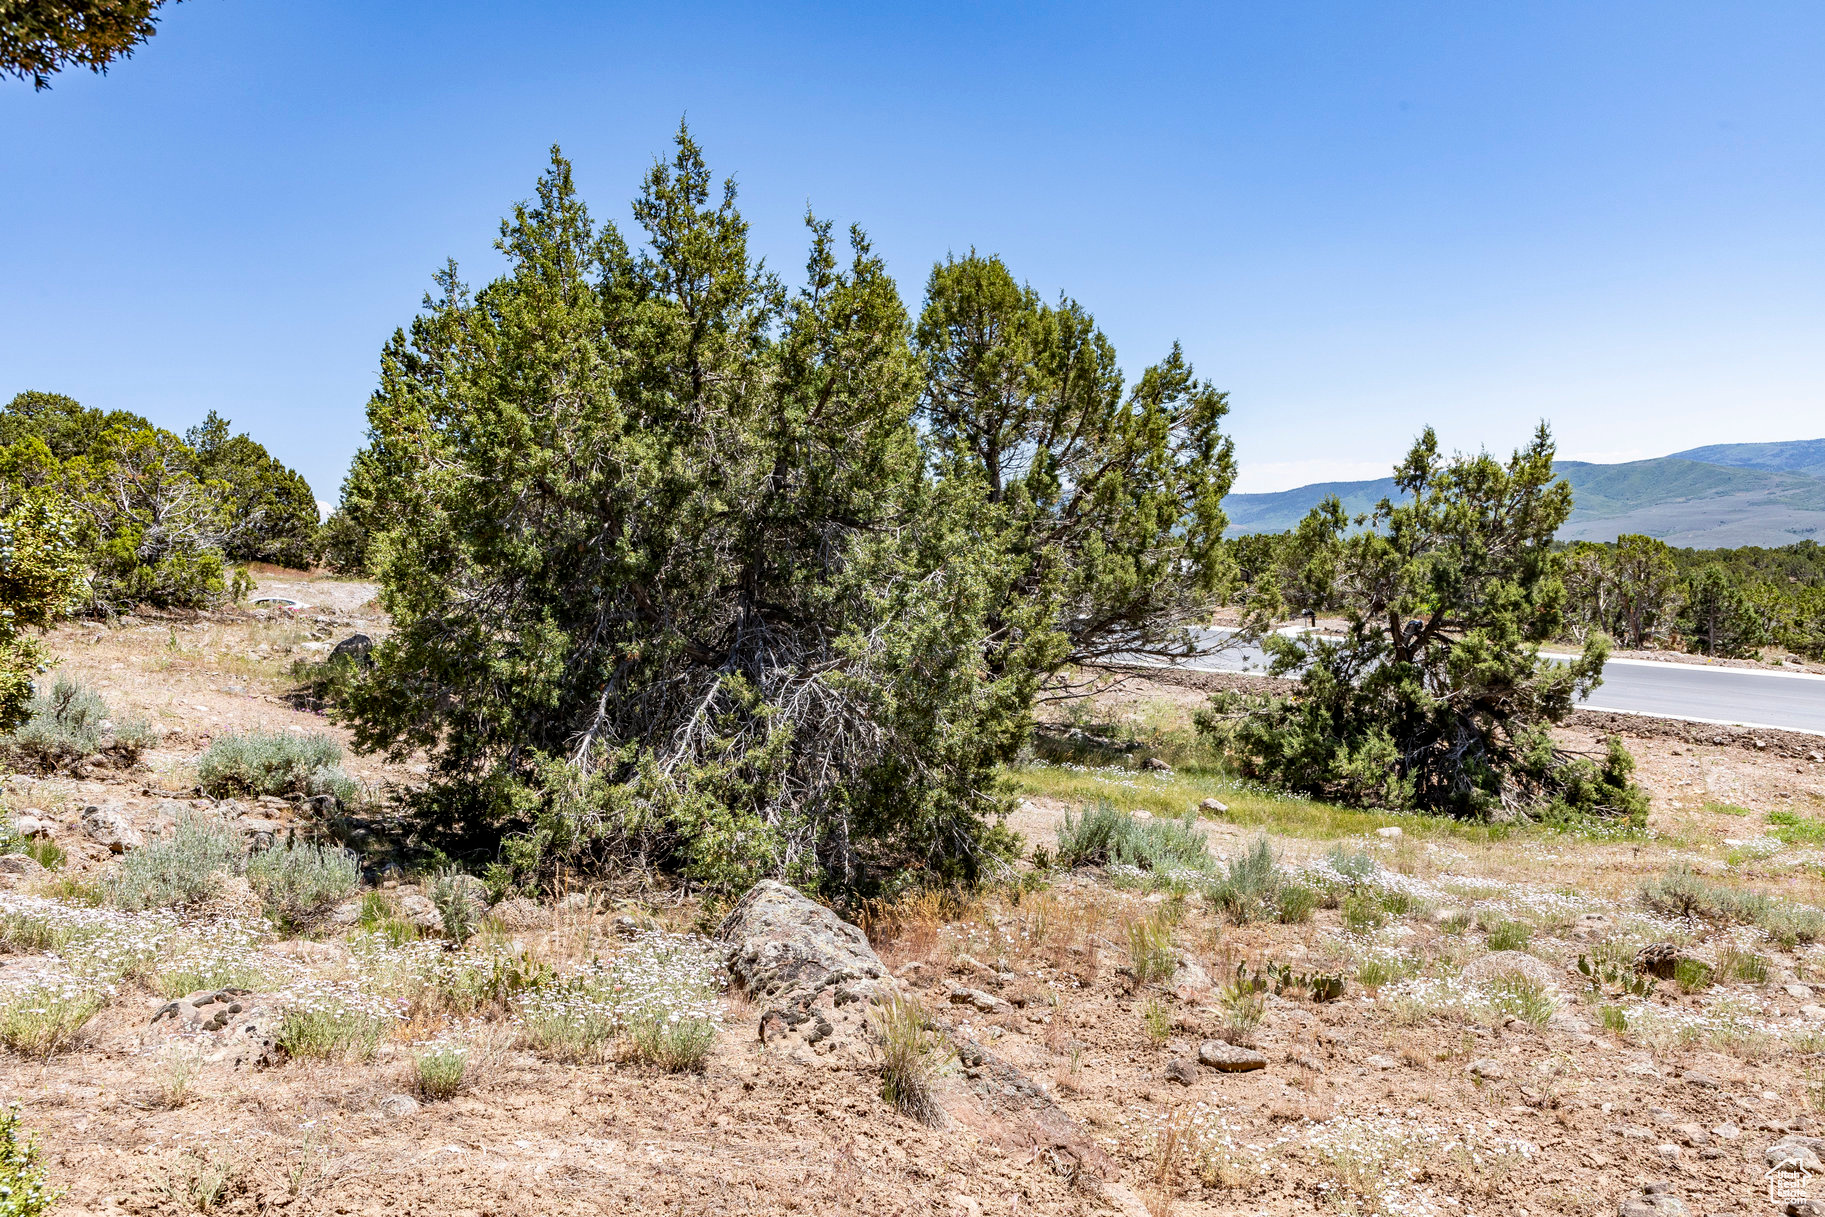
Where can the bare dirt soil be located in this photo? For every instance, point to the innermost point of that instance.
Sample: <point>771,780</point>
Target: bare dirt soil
<point>1467,1068</point>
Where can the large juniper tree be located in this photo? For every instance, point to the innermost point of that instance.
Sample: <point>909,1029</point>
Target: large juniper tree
<point>1437,697</point>
<point>668,575</point>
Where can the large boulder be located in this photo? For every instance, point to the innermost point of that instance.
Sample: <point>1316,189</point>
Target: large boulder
<point>231,1025</point>
<point>786,950</point>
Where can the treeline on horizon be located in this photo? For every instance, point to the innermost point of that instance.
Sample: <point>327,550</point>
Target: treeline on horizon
<point>1638,591</point>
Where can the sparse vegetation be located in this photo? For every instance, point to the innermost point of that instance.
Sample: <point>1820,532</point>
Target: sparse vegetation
<point>1104,836</point>
<point>72,723</point>
<point>914,1056</point>
<point>271,762</point>
<point>439,1069</point>
<point>181,868</point>
<point>295,879</point>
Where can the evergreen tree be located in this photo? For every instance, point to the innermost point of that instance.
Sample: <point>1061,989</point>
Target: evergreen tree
<point>1718,616</point>
<point>38,573</point>
<point>1645,582</point>
<point>271,512</point>
<point>1437,697</point>
<point>1111,493</point>
<point>669,580</point>
<point>39,38</point>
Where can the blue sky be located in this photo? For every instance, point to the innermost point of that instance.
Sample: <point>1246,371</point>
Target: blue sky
<point>1357,218</point>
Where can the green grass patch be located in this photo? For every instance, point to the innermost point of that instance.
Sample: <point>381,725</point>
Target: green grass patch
<point>1795,829</point>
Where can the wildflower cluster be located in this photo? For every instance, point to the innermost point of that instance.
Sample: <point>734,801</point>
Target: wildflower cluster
<point>338,1020</point>
<point>659,992</point>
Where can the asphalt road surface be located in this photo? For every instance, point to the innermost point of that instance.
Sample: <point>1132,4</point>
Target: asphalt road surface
<point>1749,697</point>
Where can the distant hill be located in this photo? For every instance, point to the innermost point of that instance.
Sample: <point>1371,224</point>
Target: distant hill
<point>1707,498</point>
<point>1793,456</point>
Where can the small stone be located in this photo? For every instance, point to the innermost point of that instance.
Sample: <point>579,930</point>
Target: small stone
<point>1799,992</point>
<point>1486,1069</point>
<point>1156,765</point>
<point>1692,1134</point>
<point>1183,1072</point>
<point>1726,1131</point>
<point>1213,807</point>
<point>1814,1012</point>
<point>1390,832</point>
<point>109,826</point>
<point>1703,1081</point>
<point>988,1003</point>
<point>19,864</point>
<point>1228,1058</point>
<point>1383,1062</point>
<point>396,1105</point>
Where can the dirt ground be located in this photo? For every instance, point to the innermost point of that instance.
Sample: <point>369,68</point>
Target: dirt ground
<point>1410,1094</point>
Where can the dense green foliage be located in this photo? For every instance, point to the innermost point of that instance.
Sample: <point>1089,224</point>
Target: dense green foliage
<point>38,577</point>
<point>23,1189</point>
<point>154,516</point>
<point>672,578</point>
<point>39,38</point>
<point>1110,495</point>
<point>1437,697</point>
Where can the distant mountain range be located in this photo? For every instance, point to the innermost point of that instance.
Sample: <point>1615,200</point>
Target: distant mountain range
<point>1715,497</point>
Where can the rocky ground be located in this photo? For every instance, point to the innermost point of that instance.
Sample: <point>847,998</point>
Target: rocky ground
<point>1097,1049</point>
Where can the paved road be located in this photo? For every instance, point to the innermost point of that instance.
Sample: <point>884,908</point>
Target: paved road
<point>1750,697</point>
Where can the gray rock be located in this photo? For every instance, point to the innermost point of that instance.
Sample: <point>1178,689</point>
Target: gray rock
<point>395,1106</point>
<point>32,823</point>
<point>1799,992</point>
<point>1487,1068</point>
<point>1378,1061</point>
<point>242,1026</point>
<point>356,647</point>
<point>988,1003</point>
<point>1213,807</point>
<point>1703,1081</point>
<point>417,908</point>
<point>1228,1058</point>
<point>110,827</point>
<point>19,864</point>
<point>1804,1151</point>
<point>788,949</point>
<point>519,913</point>
<point>1183,1072</point>
<point>346,913</point>
<point>1189,975</point>
<point>1653,1204</point>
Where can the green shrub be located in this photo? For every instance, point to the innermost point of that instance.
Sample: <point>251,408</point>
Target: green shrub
<point>1692,975</point>
<point>334,1026</point>
<point>1510,936</point>
<point>23,1190</point>
<point>1150,953</point>
<point>1362,912</point>
<point>1613,1018</point>
<point>1103,836</point>
<point>1521,996</point>
<point>1156,1017</point>
<point>270,762</point>
<point>459,900</point>
<point>1294,902</point>
<point>1249,882</point>
<point>380,917</point>
<point>1682,892</point>
<point>179,869</point>
<point>43,1014</point>
<point>72,722</point>
<point>914,1057</point>
<point>438,1070</point>
<point>294,879</point>
<point>674,1044</point>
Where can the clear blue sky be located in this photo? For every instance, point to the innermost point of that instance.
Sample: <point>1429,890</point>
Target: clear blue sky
<point>1358,218</point>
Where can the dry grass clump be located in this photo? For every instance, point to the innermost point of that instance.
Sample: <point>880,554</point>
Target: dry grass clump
<point>439,1069</point>
<point>1151,957</point>
<point>914,1057</point>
